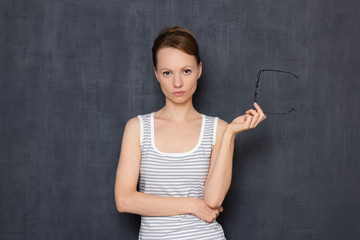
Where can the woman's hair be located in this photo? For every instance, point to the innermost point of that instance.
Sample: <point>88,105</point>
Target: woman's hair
<point>176,37</point>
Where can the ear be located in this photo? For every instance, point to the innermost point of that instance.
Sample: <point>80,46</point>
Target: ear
<point>156,74</point>
<point>200,69</point>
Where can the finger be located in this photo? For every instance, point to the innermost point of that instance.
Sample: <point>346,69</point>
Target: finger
<point>255,118</point>
<point>217,213</point>
<point>254,122</point>
<point>248,121</point>
<point>258,108</point>
<point>260,119</point>
<point>262,115</point>
<point>250,111</point>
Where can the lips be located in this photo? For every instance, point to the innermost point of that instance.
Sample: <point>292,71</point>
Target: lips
<point>178,93</point>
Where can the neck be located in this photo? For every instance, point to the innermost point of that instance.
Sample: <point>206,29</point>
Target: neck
<point>178,112</point>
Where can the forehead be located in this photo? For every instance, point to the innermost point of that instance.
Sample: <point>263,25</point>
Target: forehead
<point>169,57</point>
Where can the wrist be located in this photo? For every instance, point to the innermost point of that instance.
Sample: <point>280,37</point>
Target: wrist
<point>229,133</point>
<point>192,205</point>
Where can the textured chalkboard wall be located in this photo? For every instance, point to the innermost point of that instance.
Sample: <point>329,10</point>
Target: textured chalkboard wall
<point>73,72</point>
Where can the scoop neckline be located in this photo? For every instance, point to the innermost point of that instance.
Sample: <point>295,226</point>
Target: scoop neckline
<point>178,153</point>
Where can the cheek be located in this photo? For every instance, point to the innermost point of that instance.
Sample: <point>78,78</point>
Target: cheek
<point>194,85</point>
<point>165,85</point>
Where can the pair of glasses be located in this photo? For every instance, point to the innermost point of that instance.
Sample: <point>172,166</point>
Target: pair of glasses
<point>257,87</point>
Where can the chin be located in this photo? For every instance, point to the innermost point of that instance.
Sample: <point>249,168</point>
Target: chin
<point>184,100</point>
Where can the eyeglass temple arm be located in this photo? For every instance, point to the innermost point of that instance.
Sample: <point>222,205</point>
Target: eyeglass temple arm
<point>273,70</point>
<point>279,112</point>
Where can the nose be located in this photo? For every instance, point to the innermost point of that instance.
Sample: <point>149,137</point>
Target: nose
<point>178,81</point>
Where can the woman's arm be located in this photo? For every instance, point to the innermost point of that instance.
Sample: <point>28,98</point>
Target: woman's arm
<point>219,177</point>
<point>128,199</point>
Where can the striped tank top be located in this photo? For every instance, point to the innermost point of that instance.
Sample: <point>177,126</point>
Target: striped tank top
<point>176,175</point>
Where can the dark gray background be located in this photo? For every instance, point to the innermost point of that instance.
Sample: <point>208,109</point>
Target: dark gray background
<point>73,72</point>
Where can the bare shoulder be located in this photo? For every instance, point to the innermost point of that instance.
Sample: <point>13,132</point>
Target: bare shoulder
<point>132,129</point>
<point>221,127</point>
<point>133,123</point>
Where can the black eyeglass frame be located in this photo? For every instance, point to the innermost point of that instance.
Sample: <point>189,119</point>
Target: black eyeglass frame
<point>257,86</point>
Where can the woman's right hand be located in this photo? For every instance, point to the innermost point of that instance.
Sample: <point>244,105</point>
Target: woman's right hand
<point>204,212</point>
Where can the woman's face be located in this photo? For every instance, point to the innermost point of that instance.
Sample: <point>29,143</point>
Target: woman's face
<point>177,72</point>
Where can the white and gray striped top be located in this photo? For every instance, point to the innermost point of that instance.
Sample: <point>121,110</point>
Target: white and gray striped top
<point>176,175</point>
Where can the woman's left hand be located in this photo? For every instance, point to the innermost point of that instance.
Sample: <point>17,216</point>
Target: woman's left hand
<point>249,120</point>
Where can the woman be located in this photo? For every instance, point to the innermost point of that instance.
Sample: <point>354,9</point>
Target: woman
<point>183,158</point>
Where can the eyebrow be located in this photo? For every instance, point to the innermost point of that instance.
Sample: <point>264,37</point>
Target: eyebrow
<point>187,66</point>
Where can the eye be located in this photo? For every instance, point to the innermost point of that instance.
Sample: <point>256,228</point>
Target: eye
<point>187,71</point>
<point>166,74</point>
